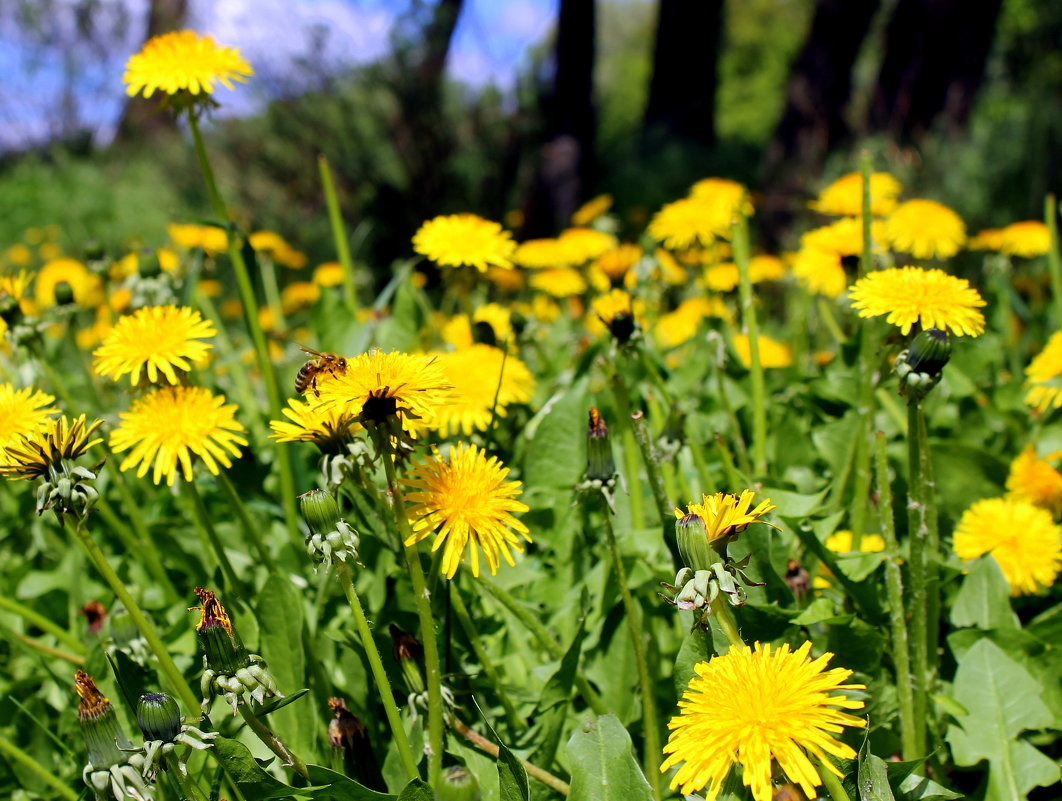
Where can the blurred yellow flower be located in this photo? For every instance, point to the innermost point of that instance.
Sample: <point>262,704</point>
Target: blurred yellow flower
<point>841,542</point>
<point>669,269</point>
<point>1042,374</point>
<point>1027,239</point>
<point>210,288</point>
<point>910,295</point>
<point>687,223</point>
<point>537,254</point>
<point>330,273</point>
<point>18,255</point>
<point>844,197</point>
<point>299,295</point>
<point>562,282</point>
<point>772,352</point>
<point>457,240</point>
<point>183,61</point>
<point>208,238</point>
<point>989,239</point>
<point>22,411</point>
<point>844,236</point>
<point>820,272</point>
<point>478,375</point>
<point>925,229</point>
<point>616,262</point>
<point>585,244</point>
<point>591,210</point>
<point>1034,479</point>
<point>679,326</point>
<point>727,199</point>
<point>86,287</point>
<point>506,280</point>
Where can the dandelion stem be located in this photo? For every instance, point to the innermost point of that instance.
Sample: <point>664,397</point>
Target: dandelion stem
<point>929,499</point>
<point>118,587</point>
<point>56,653</point>
<point>831,782</point>
<point>916,543</point>
<point>631,447</point>
<point>1054,257</point>
<point>724,616</point>
<point>206,528</point>
<point>486,745</point>
<point>740,230</point>
<point>339,234</point>
<point>272,742</point>
<point>897,612</point>
<point>268,268</point>
<point>650,723</point>
<point>250,530</point>
<point>35,618</point>
<point>735,424</point>
<point>188,786</point>
<point>379,675</point>
<point>16,754</point>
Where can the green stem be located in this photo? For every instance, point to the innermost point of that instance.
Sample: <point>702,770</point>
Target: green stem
<point>831,782</point>
<point>35,618</point>
<point>735,424</point>
<point>916,542</point>
<point>897,611</point>
<point>652,468</point>
<point>118,587</point>
<point>631,448</point>
<point>272,742</point>
<point>55,653</point>
<point>427,621</point>
<point>231,359</point>
<point>206,528</point>
<point>379,675</point>
<point>271,287</point>
<point>650,723</point>
<point>250,308</point>
<point>929,499</point>
<point>752,328</point>
<point>1054,257</point>
<point>339,234</point>
<point>15,753</point>
<point>188,786</point>
<point>252,532</point>
<point>469,628</point>
<point>829,319</point>
<point>724,616</point>
<point>533,771</point>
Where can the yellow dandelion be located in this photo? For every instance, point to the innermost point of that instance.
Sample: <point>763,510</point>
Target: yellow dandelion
<point>591,210</point>
<point>85,286</point>
<point>542,308</point>
<point>40,452</point>
<point>466,502</point>
<point>457,240</point>
<point>1043,376</point>
<point>496,318</point>
<point>1027,239</point>
<point>616,312</point>
<point>377,387</point>
<point>562,282</point>
<point>208,238</point>
<point>820,272</point>
<point>727,198</point>
<point>844,197</point>
<point>668,268</point>
<point>183,61</point>
<point>22,411</point>
<point>841,542</point>
<point>989,239</point>
<point>727,515</point>
<point>541,254</point>
<point>909,295</point>
<point>210,288</point>
<point>617,262</point>
<point>763,268</point>
<point>299,295</point>
<point>585,244</point>
<point>328,429</point>
<point>1034,479</point>
<point>925,229</point>
<point>267,241</point>
<point>171,426</point>
<point>755,707</point>
<point>721,277</point>
<point>688,223</point>
<point>1021,537</point>
<point>482,378</point>
<point>19,255</point>
<point>154,341</point>
<point>328,274</point>
<point>681,325</point>
<point>844,236</point>
<point>772,352</point>
<point>506,280</point>
<point>14,285</point>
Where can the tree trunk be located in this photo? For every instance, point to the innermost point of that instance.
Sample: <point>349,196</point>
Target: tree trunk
<point>812,121</point>
<point>565,165</point>
<point>141,118</point>
<point>685,71</point>
<point>935,54</point>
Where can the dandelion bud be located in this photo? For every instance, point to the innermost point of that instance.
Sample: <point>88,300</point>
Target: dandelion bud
<point>331,538</point>
<point>600,466</point>
<point>929,352</point>
<point>10,311</point>
<point>694,547</point>
<point>319,510</point>
<point>95,615</point>
<point>64,294</point>
<point>347,732</point>
<point>104,738</point>
<point>158,717</point>
<point>407,653</point>
<point>458,785</point>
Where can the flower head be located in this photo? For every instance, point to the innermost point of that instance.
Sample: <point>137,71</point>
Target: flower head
<point>753,707</point>
<point>844,197</point>
<point>1043,376</point>
<point>727,199</point>
<point>988,239</point>
<point>689,222</point>
<point>154,342</point>
<point>483,378</point>
<point>725,515</point>
<point>457,240</point>
<point>1028,239</point>
<point>172,425</point>
<point>615,263</point>
<point>841,542</point>
<point>772,352</point>
<point>328,428</point>
<point>820,272</point>
<point>22,411</point>
<point>592,209</point>
<point>465,501</point>
<point>543,253</point>
<point>84,285</point>
<point>560,282</point>
<point>909,295</point>
<point>925,229</point>
<point>1021,537</point>
<point>618,312</point>
<point>183,61</point>
<point>40,452</point>
<point>680,325</point>
<point>1034,479</point>
<point>584,244</point>
<point>844,236</point>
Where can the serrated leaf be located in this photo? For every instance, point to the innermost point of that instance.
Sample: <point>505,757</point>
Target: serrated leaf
<point>416,790</point>
<point>339,787</point>
<point>253,782</point>
<point>919,788</point>
<point>603,766</point>
<point>1004,700</point>
<point>983,600</point>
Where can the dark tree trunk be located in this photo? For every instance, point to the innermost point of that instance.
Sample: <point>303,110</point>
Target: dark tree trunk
<point>812,121</point>
<point>935,54</point>
<point>685,71</point>
<point>141,119</point>
<point>565,165</point>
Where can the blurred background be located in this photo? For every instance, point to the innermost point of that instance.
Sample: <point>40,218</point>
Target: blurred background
<point>522,109</point>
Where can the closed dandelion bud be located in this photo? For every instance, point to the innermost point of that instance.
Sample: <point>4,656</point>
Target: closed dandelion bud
<point>319,510</point>
<point>224,650</point>
<point>64,294</point>
<point>331,538</point>
<point>929,352</point>
<point>693,545</point>
<point>600,466</point>
<point>407,653</point>
<point>622,328</point>
<point>158,717</point>
<point>106,742</point>
<point>10,312</point>
<point>458,784</point>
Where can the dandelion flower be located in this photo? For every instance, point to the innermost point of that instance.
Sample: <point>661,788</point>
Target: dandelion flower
<point>844,236</point>
<point>1027,239</point>
<point>458,240</point>
<point>591,210</point>
<point>208,238</point>
<point>480,374</point>
<point>466,502</point>
<point>1034,479</point>
<point>1021,537</point>
<point>925,229</point>
<point>669,269</point>
<point>753,707</point>
<point>377,387</point>
<point>772,352</point>
<point>688,222</point>
<point>988,239</point>
<point>725,514</point>
<point>727,199</point>
<point>584,244</point>
<point>14,285</point>
<point>299,295</point>
<point>539,254</point>
<point>40,452</point>
<point>844,197</point>
<point>679,326</point>
<point>154,342</point>
<point>22,411</point>
<point>170,426</point>
<point>330,273</point>
<point>329,429</point>
<point>909,295</point>
<point>183,61</point>
<point>616,262</point>
<point>1043,374</point>
<point>562,282</point>
<point>820,272</point>
<point>841,542</point>
<point>85,286</point>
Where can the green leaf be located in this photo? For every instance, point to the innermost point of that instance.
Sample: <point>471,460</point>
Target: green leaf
<point>551,709</point>
<point>919,788</point>
<point>1004,700</point>
<point>279,703</point>
<point>416,790</point>
<point>696,647</point>
<point>603,766</point>
<point>280,614</point>
<point>340,788</point>
<point>983,600</point>
<point>556,450</point>
<point>512,778</point>
<point>253,782</point>
<point>874,779</point>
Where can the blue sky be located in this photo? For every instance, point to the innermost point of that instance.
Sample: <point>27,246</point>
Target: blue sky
<point>491,41</point>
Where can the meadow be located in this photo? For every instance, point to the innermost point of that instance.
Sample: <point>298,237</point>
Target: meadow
<point>592,516</point>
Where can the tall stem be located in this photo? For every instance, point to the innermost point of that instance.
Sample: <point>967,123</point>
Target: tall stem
<point>831,782</point>
<point>916,543</point>
<point>533,771</point>
<point>929,498</point>
<point>339,234</point>
<point>272,742</point>
<point>35,618</point>
<point>427,621</point>
<point>724,616</point>
<point>16,754</point>
<point>118,587</point>
<point>379,675</point>
<point>202,522</point>
<point>1054,257</point>
<point>650,724</point>
<point>184,781</point>
<point>250,530</point>
<point>740,230</point>
<point>897,611</point>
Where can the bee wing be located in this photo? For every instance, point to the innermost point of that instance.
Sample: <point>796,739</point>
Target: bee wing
<point>311,351</point>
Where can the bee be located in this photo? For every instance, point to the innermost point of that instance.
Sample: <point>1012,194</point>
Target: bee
<point>322,362</point>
